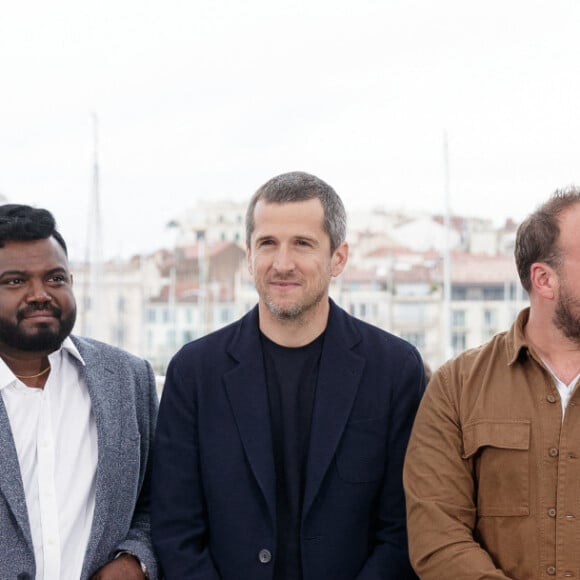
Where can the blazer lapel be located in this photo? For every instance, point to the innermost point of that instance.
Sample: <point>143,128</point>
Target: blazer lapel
<point>338,382</point>
<point>103,387</point>
<point>248,395</point>
<point>11,486</point>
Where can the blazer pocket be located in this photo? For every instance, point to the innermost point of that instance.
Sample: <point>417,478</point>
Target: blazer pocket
<point>360,457</point>
<point>500,451</point>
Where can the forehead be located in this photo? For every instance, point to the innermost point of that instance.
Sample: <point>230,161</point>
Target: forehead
<point>298,217</point>
<point>43,254</point>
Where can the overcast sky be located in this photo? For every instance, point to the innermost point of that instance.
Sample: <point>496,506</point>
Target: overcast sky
<point>207,99</point>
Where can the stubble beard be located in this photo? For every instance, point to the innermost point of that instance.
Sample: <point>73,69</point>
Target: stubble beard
<point>298,311</point>
<point>293,312</point>
<point>564,317</point>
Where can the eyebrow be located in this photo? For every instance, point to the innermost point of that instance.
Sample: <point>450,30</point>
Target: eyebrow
<point>58,269</point>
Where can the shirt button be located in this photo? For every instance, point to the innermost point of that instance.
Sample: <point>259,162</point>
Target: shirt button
<point>568,574</point>
<point>551,398</point>
<point>553,452</point>
<point>570,517</point>
<point>552,512</point>
<point>551,570</point>
<point>264,556</point>
<point>572,404</point>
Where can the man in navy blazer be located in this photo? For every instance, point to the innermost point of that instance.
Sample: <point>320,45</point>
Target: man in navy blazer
<point>281,438</point>
<point>76,424</point>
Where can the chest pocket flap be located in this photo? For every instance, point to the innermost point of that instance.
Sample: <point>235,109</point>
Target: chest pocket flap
<point>508,434</point>
<point>499,450</point>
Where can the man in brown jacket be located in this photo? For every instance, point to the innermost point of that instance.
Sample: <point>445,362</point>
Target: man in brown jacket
<point>492,472</point>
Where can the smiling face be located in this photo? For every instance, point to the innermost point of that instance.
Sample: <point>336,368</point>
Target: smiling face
<point>290,259</point>
<point>37,306</point>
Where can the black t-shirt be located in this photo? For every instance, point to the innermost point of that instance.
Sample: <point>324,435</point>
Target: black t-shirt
<point>291,375</point>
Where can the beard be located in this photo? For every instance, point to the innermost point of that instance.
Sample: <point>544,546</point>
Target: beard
<point>293,311</point>
<point>565,315</point>
<point>44,338</point>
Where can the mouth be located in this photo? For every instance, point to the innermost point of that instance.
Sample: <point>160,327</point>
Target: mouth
<point>39,315</point>
<point>284,284</point>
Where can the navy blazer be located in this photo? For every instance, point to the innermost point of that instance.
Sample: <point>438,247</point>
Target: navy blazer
<point>124,402</point>
<point>213,485</point>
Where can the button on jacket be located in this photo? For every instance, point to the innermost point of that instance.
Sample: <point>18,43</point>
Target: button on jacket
<point>492,472</point>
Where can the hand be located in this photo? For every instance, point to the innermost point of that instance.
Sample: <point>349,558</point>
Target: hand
<point>125,567</point>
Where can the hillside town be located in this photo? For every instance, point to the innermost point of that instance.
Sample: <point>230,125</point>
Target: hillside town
<point>444,285</point>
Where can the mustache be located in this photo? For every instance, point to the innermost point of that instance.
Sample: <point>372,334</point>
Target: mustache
<point>38,307</point>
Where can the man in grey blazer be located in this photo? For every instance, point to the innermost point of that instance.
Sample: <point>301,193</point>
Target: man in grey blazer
<point>76,424</point>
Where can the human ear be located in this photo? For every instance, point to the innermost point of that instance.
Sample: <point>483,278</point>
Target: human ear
<point>339,259</point>
<point>544,280</point>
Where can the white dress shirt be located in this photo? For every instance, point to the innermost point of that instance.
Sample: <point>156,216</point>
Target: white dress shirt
<point>55,434</point>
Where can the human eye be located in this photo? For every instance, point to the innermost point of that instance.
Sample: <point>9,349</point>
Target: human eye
<point>58,279</point>
<point>13,281</point>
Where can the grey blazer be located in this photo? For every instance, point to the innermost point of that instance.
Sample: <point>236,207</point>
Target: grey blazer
<point>124,401</point>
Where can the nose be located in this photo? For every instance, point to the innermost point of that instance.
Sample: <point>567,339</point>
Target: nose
<point>37,293</point>
<point>283,260</point>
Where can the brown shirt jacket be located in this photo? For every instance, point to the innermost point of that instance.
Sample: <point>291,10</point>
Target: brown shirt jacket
<point>492,473</point>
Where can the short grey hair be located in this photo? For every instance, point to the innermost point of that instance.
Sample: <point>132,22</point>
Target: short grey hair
<point>299,186</point>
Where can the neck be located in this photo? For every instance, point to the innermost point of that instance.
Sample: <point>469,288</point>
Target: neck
<point>31,368</point>
<point>297,331</point>
<point>557,351</point>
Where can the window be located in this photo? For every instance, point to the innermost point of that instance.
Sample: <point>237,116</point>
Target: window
<point>417,339</point>
<point>118,332</point>
<point>187,336</point>
<point>410,313</point>
<point>458,342</point>
<point>493,293</point>
<point>458,293</point>
<point>458,318</point>
<point>224,315</point>
<point>490,318</point>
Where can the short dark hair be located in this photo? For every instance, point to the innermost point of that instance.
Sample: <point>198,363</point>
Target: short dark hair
<point>299,186</point>
<point>23,223</point>
<point>537,236</point>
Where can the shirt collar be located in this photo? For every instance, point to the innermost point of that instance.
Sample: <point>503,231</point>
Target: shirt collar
<point>516,341</point>
<point>69,347</point>
<point>7,377</point>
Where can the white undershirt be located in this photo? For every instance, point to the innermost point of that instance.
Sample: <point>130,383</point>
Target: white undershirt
<point>56,440</point>
<point>564,389</point>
